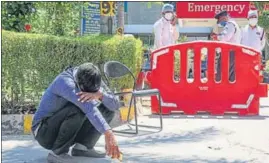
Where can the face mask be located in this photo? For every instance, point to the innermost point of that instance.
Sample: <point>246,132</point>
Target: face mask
<point>253,21</point>
<point>168,16</point>
<point>222,24</point>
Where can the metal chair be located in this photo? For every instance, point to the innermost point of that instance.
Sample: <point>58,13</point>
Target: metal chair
<point>115,70</point>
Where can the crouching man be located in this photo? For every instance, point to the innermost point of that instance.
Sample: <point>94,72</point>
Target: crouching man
<point>76,109</point>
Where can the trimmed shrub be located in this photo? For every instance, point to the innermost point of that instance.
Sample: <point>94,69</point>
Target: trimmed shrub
<point>267,67</point>
<point>31,61</point>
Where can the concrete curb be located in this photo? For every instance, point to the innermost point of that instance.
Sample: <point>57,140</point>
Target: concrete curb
<point>21,124</point>
<point>12,124</point>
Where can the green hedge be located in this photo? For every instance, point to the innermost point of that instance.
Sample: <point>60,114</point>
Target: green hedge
<point>267,66</point>
<point>31,61</point>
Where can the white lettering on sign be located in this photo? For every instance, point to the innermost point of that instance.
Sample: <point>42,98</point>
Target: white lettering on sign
<point>217,8</point>
<point>203,88</point>
<point>249,52</point>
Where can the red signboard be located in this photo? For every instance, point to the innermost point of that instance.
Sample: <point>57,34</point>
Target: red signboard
<point>210,9</point>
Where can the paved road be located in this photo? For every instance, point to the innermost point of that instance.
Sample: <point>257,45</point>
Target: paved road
<point>184,140</point>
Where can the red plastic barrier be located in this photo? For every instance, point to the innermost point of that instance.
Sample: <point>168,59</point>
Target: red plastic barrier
<point>217,98</point>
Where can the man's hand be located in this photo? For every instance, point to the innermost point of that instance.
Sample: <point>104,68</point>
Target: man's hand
<point>112,148</point>
<point>214,36</point>
<point>174,21</point>
<point>87,97</point>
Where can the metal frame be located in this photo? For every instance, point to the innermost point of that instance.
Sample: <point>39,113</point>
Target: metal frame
<point>133,99</point>
<point>136,123</point>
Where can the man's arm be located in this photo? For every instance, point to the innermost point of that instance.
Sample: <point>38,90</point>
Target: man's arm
<point>263,41</point>
<point>242,36</point>
<point>175,29</point>
<point>109,99</point>
<point>65,87</point>
<point>227,33</point>
<point>158,33</point>
<point>175,33</point>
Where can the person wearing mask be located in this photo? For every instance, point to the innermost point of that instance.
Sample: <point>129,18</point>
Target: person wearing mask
<point>252,34</point>
<point>165,30</point>
<point>231,33</point>
<point>76,109</point>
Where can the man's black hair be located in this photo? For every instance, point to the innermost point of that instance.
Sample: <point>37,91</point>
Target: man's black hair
<point>88,78</point>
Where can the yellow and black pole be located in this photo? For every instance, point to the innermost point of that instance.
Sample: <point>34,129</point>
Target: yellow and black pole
<point>120,18</point>
<point>107,12</point>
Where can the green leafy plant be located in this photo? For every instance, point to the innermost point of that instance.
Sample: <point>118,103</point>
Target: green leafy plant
<point>16,14</point>
<point>267,67</point>
<point>57,18</point>
<point>264,15</point>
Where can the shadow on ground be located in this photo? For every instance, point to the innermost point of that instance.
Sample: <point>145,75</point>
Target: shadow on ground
<point>15,156</point>
<point>225,117</point>
<point>31,152</point>
<point>206,133</point>
<point>194,159</point>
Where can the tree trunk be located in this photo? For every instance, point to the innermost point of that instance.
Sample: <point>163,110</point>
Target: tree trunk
<point>120,15</point>
<point>103,25</point>
<point>108,22</point>
<point>267,50</point>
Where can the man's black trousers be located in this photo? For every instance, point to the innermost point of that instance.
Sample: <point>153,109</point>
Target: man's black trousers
<point>69,126</point>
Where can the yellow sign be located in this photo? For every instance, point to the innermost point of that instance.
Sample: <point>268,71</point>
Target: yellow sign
<point>27,124</point>
<point>119,31</point>
<point>125,109</point>
<point>108,8</point>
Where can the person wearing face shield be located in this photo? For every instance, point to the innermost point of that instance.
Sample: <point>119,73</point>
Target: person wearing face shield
<point>76,109</point>
<point>165,30</point>
<point>231,33</point>
<point>252,34</point>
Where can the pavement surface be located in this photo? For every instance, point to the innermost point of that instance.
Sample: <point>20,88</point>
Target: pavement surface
<point>185,139</point>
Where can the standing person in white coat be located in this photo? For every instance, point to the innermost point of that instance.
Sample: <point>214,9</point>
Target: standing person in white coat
<point>252,34</point>
<point>165,30</point>
<point>231,33</point>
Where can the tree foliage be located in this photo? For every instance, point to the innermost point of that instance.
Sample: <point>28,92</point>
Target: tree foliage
<point>16,14</point>
<point>57,18</point>
<point>264,15</point>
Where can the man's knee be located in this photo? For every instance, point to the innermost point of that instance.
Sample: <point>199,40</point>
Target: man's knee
<point>110,116</point>
<point>107,114</point>
<point>72,109</point>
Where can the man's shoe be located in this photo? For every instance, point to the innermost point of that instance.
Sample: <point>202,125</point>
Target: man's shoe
<point>62,158</point>
<point>88,153</point>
